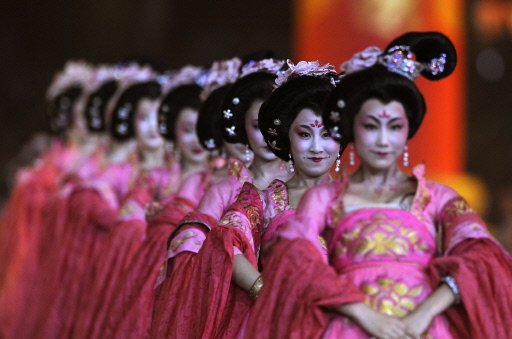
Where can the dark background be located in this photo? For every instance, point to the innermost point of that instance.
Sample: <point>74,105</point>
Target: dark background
<point>38,37</point>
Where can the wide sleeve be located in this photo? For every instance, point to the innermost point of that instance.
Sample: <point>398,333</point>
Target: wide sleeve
<point>298,290</point>
<point>482,270</point>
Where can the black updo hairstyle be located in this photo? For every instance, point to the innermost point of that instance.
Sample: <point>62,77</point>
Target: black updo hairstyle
<point>377,82</point>
<point>61,108</point>
<point>279,111</point>
<point>239,99</point>
<point>122,127</point>
<point>177,99</point>
<point>208,126</point>
<point>97,104</point>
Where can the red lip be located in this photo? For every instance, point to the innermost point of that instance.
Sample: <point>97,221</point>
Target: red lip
<point>316,159</point>
<point>197,151</point>
<point>381,154</point>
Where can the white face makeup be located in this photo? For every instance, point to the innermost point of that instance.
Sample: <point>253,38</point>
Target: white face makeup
<point>186,137</point>
<point>254,136</point>
<point>146,125</point>
<point>380,133</point>
<point>312,148</point>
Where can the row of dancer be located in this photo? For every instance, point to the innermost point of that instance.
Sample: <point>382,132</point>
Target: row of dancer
<point>184,244</point>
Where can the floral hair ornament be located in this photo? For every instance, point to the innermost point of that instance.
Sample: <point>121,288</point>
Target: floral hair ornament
<point>397,59</point>
<point>311,68</point>
<point>272,66</point>
<point>187,75</point>
<point>77,73</point>
<point>221,73</point>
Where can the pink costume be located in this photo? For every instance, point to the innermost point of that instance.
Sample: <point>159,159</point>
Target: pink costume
<point>132,307</point>
<point>388,257</point>
<point>187,240</point>
<point>123,241</point>
<point>30,216</point>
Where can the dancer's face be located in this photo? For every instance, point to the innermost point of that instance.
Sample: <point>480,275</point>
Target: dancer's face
<point>312,148</point>
<point>186,137</point>
<point>146,125</point>
<point>254,136</point>
<point>380,133</point>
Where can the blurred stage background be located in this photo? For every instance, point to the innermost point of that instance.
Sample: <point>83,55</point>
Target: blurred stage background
<point>466,139</point>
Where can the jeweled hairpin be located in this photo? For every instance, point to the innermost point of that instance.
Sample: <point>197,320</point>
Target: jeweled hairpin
<point>163,128</point>
<point>236,101</point>
<point>231,130</point>
<point>210,144</point>
<point>335,133</point>
<point>399,59</point>
<point>335,116</point>
<point>227,113</point>
<point>277,122</point>
<point>273,145</point>
<point>272,132</point>
<point>340,103</point>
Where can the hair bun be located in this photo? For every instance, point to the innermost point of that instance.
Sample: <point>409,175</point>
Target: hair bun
<point>427,46</point>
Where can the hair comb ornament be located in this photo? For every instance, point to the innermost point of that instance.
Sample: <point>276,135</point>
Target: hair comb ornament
<point>397,59</point>
<point>273,145</point>
<point>313,68</point>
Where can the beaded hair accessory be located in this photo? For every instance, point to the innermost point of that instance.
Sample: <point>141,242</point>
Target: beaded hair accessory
<point>311,68</point>
<point>397,59</point>
<point>221,73</point>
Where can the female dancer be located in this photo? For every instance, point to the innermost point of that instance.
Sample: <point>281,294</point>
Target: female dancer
<point>290,123</point>
<point>410,257</point>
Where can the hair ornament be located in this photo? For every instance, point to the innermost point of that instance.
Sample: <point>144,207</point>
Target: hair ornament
<point>236,101</point>
<point>277,122</point>
<point>340,103</point>
<point>227,114</point>
<point>124,111</point>
<point>77,73</point>
<point>231,131</point>
<point>273,145</point>
<point>122,128</point>
<point>362,60</point>
<point>335,116</point>
<point>335,133</point>
<point>397,59</point>
<point>221,73</point>
<point>312,68</point>
<point>210,144</point>
<point>187,75</point>
<point>272,132</point>
<point>270,65</point>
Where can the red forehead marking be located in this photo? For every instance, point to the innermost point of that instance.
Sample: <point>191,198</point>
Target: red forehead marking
<point>316,124</point>
<point>384,115</point>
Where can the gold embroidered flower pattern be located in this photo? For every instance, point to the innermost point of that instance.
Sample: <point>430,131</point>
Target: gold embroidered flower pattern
<point>380,235</point>
<point>391,297</point>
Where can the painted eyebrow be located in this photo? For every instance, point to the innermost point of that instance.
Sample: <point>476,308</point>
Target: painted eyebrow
<point>390,120</point>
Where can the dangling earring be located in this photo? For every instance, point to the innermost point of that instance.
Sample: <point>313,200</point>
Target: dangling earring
<point>247,153</point>
<point>337,168</point>
<point>351,156</point>
<point>406,156</point>
<point>290,164</point>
